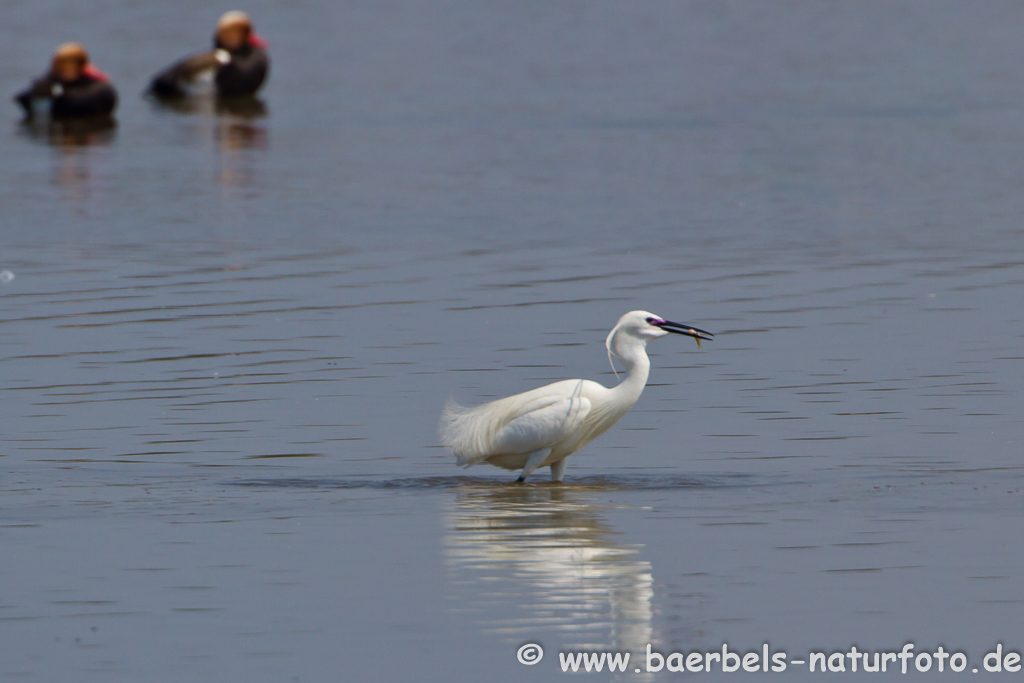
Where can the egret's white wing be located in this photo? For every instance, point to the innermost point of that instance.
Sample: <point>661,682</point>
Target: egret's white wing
<point>514,425</point>
<point>543,426</point>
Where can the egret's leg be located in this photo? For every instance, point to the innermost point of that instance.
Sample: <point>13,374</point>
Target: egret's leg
<point>533,462</point>
<point>558,470</point>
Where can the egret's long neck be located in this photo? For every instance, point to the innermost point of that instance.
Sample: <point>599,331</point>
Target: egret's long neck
<point>638,367</point>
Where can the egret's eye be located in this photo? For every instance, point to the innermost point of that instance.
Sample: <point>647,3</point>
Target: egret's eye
<point>650,321</point>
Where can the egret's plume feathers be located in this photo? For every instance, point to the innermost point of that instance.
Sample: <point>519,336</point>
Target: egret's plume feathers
<point>608,345</point>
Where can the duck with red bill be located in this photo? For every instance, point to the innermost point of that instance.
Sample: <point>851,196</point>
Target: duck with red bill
<point>74,88</point>
<point>238,62</point>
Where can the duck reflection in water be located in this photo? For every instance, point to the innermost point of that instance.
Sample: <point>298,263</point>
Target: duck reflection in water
<point>78,143</point>
<point>544,559</point>
<point>82,132</point>
<point>237,169</point>
<point>239,107</point>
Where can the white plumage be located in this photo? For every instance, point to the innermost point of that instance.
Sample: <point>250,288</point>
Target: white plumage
<point>544,426</point>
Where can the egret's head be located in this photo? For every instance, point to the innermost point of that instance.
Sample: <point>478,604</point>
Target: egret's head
<point>639,327</point>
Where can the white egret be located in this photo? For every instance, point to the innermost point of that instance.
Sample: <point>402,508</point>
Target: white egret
<point>544,426</point>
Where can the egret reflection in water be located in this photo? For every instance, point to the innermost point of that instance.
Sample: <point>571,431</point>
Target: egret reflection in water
<point>545,560</point>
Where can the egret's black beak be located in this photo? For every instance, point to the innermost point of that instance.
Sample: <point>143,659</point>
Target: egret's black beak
<point>688,330</point>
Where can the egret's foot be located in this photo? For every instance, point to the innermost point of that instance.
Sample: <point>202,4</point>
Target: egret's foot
<point>521,480</point>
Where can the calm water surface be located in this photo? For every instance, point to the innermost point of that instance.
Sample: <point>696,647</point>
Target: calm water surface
<point>228,337</point>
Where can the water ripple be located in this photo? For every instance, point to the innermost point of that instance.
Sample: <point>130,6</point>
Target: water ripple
<point>590,483</point>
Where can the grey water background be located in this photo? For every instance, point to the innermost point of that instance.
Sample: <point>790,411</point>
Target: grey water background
<point>227,340</point>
